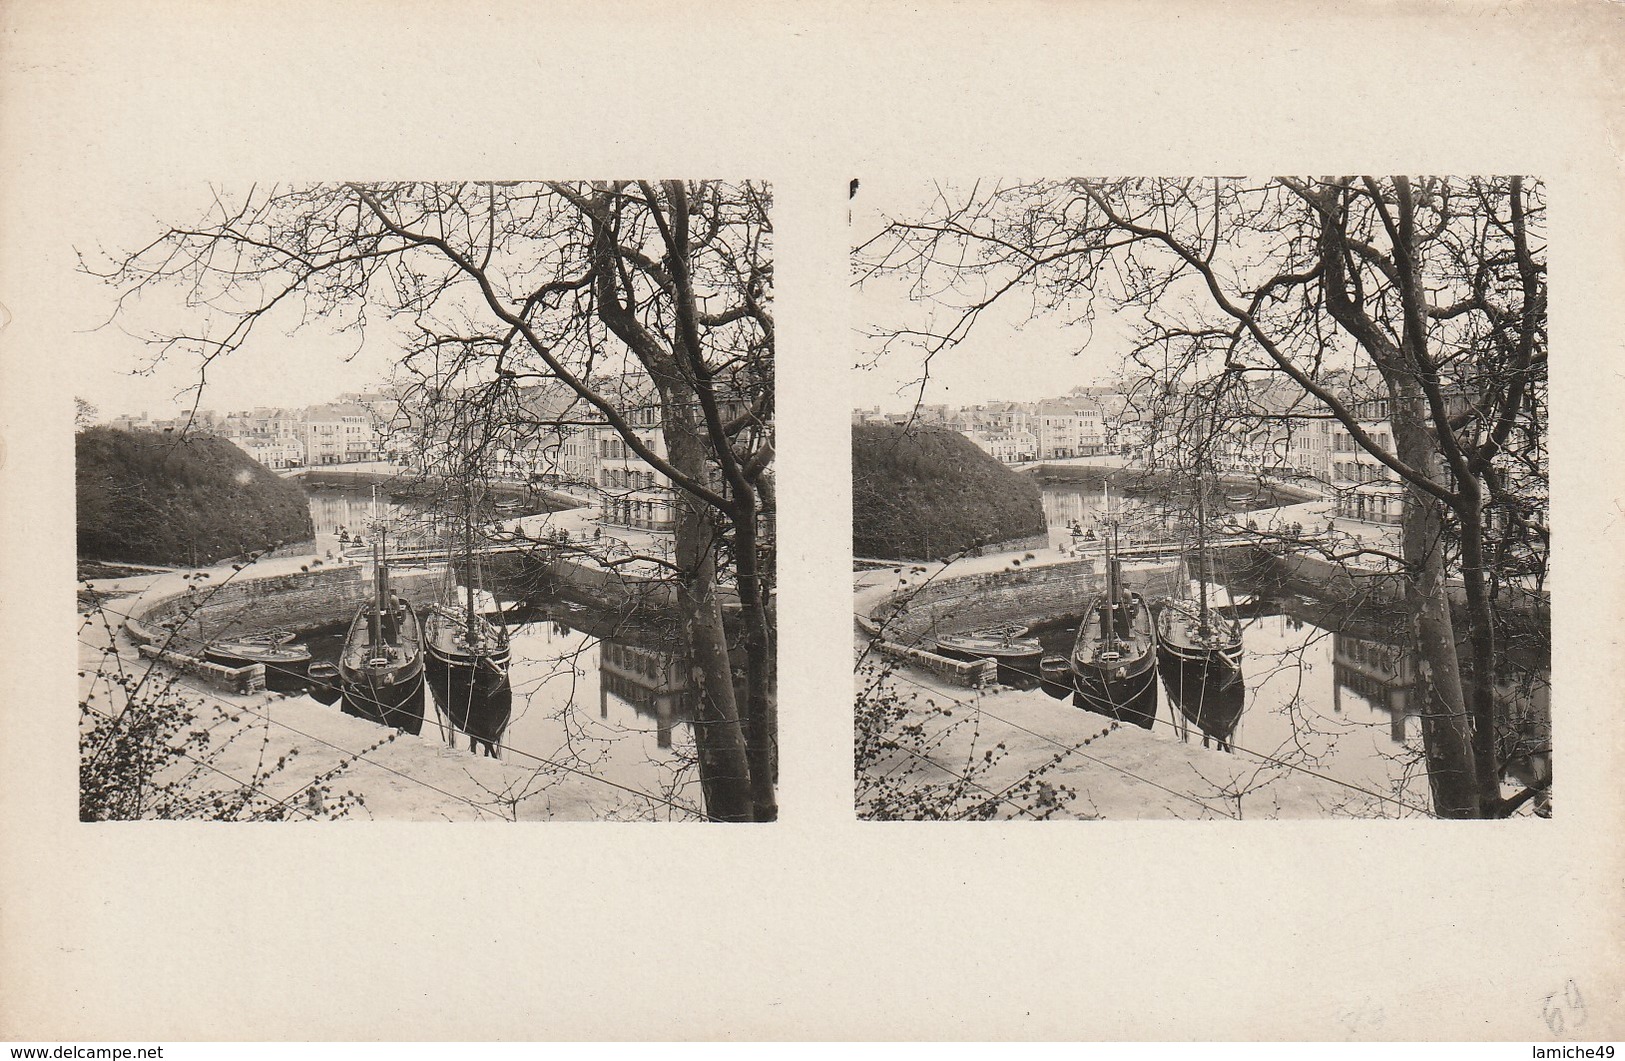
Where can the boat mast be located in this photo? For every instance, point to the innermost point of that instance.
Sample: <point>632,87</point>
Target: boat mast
<point>1109,616</point>
<point>468,561</point>
<point>375,622</point>
<point>1201,544</point>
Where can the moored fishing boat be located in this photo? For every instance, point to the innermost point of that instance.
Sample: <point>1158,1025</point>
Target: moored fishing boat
<point>1010,651</point>
<point>467,656</point>
<point>1195,636</point>
<point>1114,659</point>
<point>1192,632</point>
<point>381,664</point>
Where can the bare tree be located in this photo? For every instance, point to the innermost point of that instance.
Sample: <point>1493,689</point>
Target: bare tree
<point>593,289</point>
<point>1434,289</point>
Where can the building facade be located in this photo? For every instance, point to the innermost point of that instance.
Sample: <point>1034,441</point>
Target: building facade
<point>630,492</point>
<point>340,434</point>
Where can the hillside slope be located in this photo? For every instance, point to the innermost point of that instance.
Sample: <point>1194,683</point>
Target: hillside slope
<point>148,498</point>
<point>929,492</point>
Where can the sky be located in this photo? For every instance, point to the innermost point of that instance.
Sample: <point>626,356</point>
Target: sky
<point>280,366</point>
<point>1005,357</point>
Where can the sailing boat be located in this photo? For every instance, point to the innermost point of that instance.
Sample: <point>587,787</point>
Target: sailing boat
<point>1195,635</point>
<point>1114,660</point>
<point>467,659</point>
<point>381,664</point>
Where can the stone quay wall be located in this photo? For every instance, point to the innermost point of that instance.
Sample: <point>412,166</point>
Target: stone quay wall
<point>539,574</point>
<point>1017,545</point>
<point>974,674</point>
<point>249,679</point>
<point>1022,597</point>
<point>276,602</point>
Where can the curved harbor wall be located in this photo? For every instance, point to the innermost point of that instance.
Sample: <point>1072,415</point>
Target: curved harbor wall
<point>272,602</point>
<point>1303,572</point>
<point>254,604</point>
<point>1023,596</point>
<point>401,480</point>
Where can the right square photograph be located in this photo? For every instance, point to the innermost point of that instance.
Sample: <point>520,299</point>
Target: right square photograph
<point>1201,497</point>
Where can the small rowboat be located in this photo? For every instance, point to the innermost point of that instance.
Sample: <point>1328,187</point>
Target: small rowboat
<point>1055,676</point>
<point>325,685</point>
<point>284,660</point>
<point>1016,653</point>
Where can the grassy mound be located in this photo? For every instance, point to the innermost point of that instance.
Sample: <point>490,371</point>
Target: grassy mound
<point>150,498</point>
<point>928,492</point>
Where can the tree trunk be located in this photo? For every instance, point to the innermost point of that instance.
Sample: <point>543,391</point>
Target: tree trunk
<point>1481,638</point>
<point>1446,735</point>
<point>761,714</point>
<point>718,736</point>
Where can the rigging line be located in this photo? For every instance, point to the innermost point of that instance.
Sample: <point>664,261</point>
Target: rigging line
<point>965,778</point>
<point>1263,756</point>
<point>1019,780</point>
<point>1075,750</point>
<point>557,765</point>
<point>357,756</point>
<point>210,766</point>
<point>520,751</point>
<point>1234,747</point>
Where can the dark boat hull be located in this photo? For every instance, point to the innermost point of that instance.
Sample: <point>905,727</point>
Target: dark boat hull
<point>397,703</point>
<point>1209,694</point>
<point>389,693</point>
<point>1130,698</point>
<point>474,693</point>
<point>284,664</point>
<point>1119,682</point>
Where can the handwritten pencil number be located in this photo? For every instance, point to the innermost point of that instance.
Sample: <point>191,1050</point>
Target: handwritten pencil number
<point>1565,1009</point>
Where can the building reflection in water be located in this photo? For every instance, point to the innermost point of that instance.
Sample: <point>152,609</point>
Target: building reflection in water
<point>1382,674</point>
<point>654,681</point>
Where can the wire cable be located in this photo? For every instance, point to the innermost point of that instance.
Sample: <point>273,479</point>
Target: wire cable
<point>1158,720</point>
<point>541,759</point>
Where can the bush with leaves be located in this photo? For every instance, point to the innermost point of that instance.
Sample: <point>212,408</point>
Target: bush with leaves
<point>906,767</point>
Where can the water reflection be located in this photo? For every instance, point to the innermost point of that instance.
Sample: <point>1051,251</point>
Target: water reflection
<point>1211,699</point>
<point>1080,507</point>
<point>653,681</point>
<point>409,522</point>
<point>1330,688</point>
<point>611,701</point>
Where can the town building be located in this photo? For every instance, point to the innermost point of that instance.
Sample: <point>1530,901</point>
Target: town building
<point>275,453</point>
<point>631,493</point>
<point>340,434</point>
<point>1009,449</point>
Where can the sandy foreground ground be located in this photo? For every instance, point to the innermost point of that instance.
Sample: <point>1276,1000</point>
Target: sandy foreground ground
<point>383,774</point>
<point>1116,771</point>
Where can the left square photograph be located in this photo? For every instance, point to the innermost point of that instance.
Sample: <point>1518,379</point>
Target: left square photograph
<point>427,501</point>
